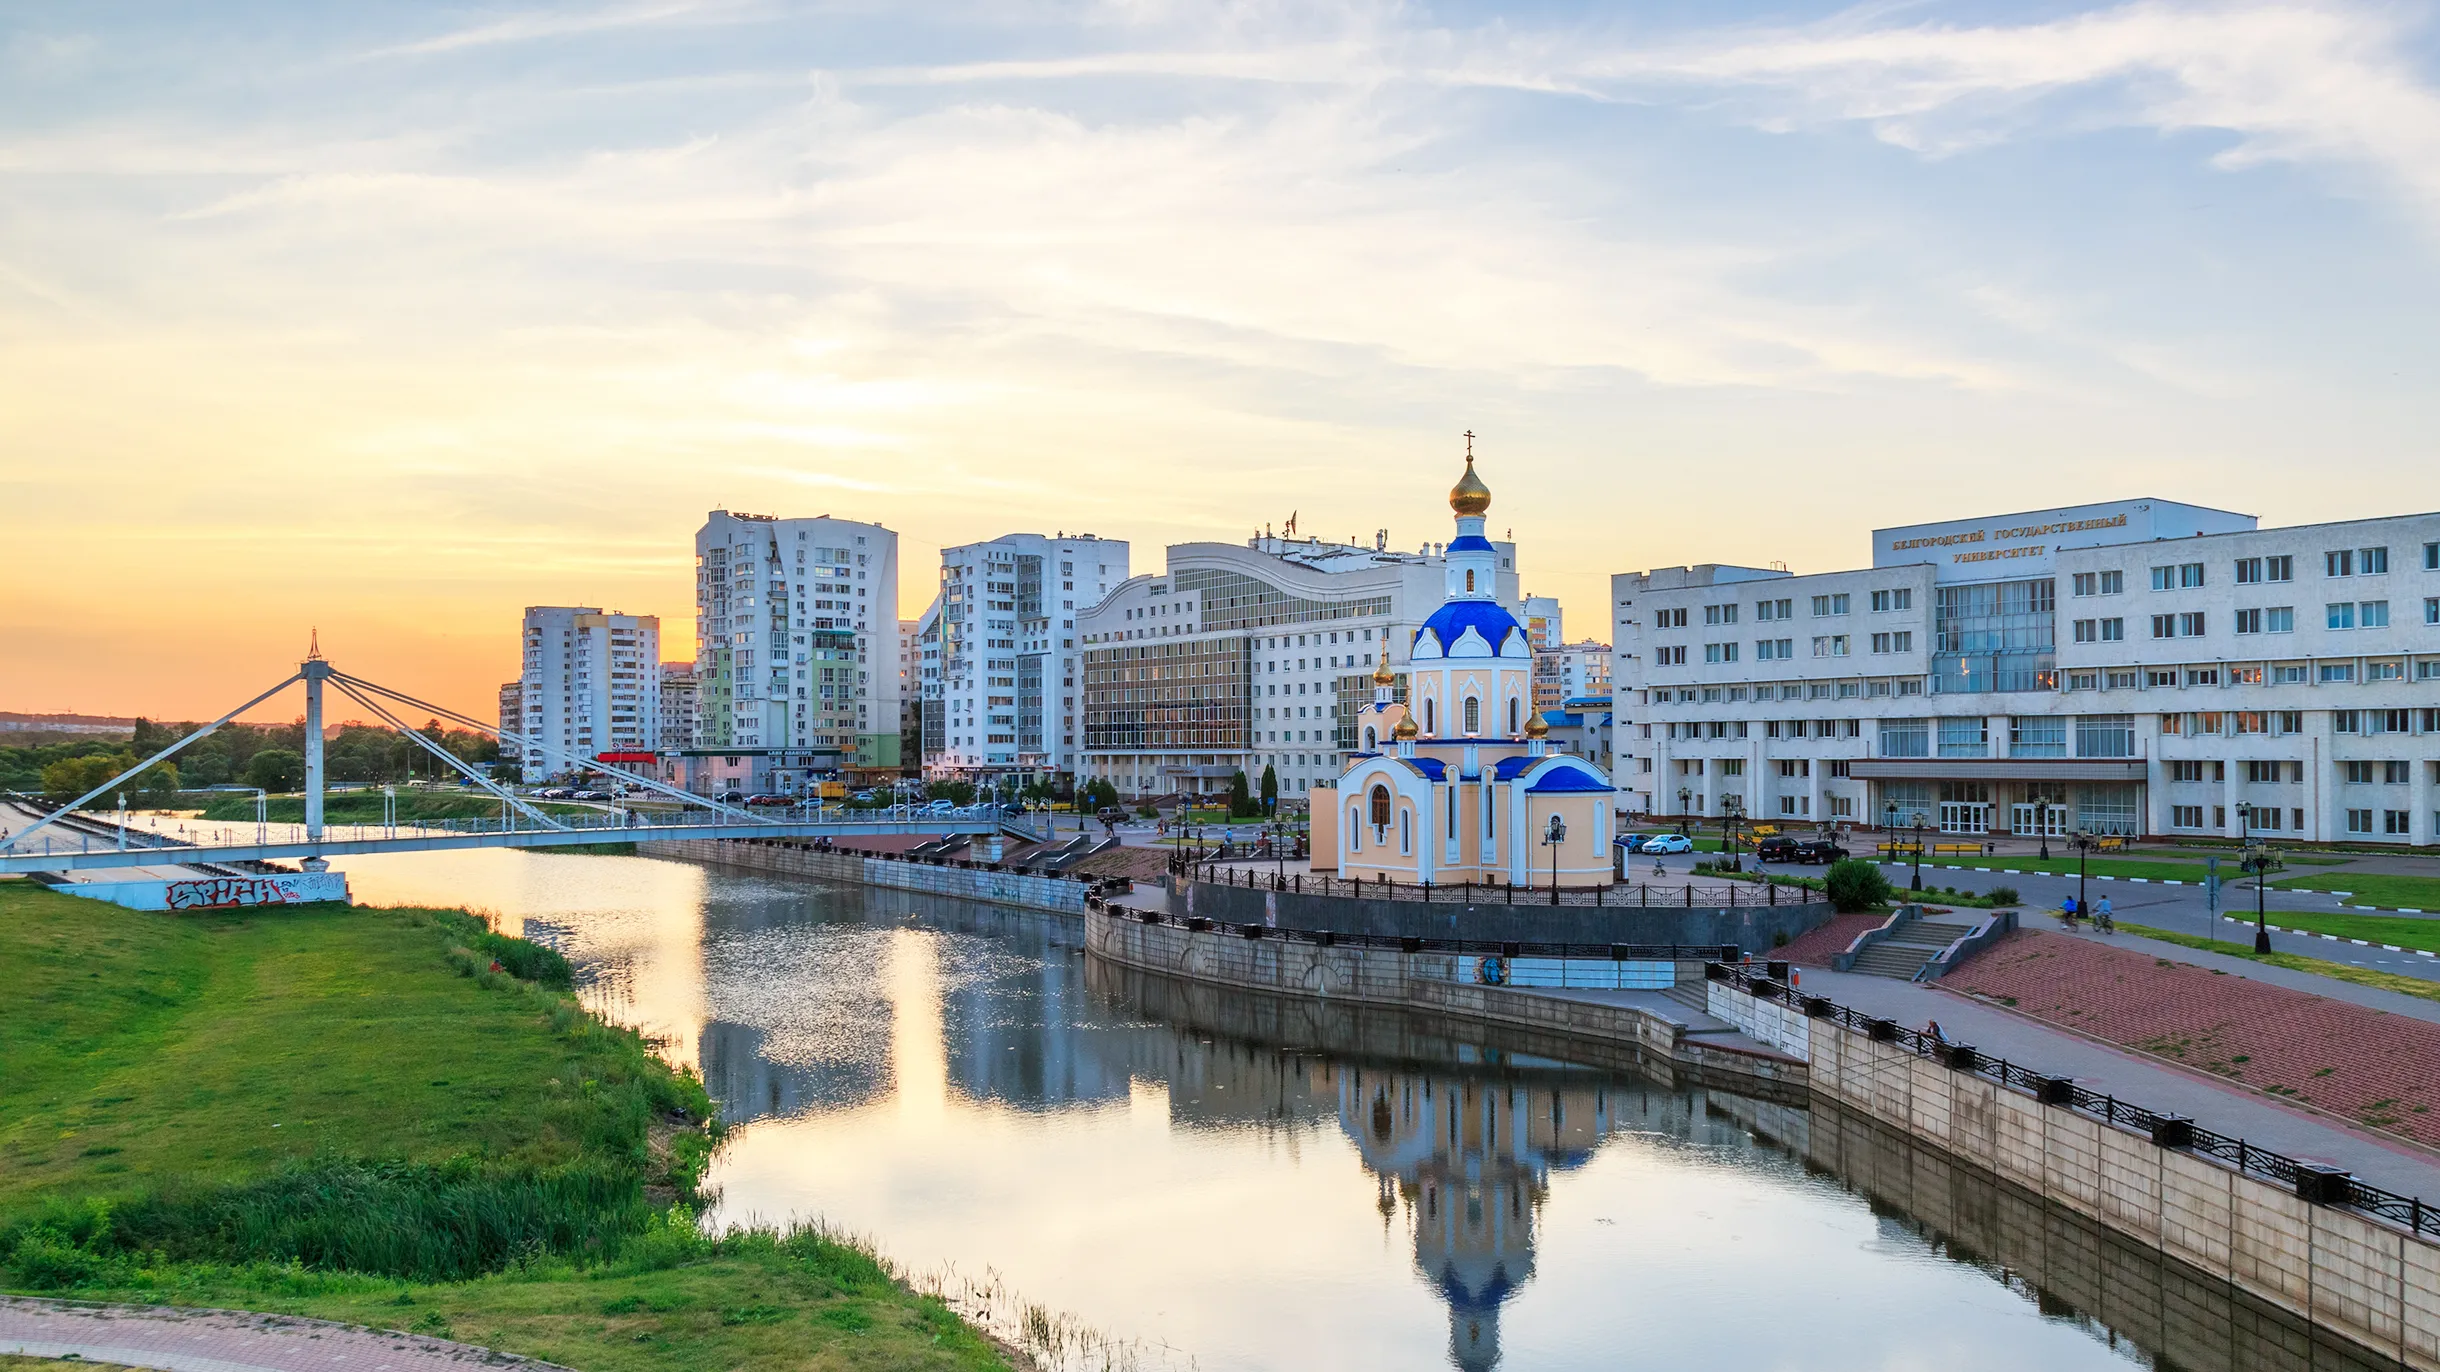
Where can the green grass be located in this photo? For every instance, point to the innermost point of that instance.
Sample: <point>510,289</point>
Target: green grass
<point>364,807</point>
<point>2338,971</point>
<point>2406,931</point>
<point>2371,888</point>
<point>345,1112</point>
<point>2122,868</point>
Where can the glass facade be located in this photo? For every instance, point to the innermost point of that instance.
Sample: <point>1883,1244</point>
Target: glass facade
<point>2105,736</point>
<point>1965,736</point>
<point>1906,738</point>
<point>1354,692</point>
<point>1230,601</point>
<point>1995,636</point>
<point>1178,696</point>
<point>2037,736</point>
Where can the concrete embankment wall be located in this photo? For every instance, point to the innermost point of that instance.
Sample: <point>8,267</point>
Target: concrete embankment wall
<point>2376,1285</point>
<point>1752,927</point>
<point>1432,982</point>
<point>967,883</point>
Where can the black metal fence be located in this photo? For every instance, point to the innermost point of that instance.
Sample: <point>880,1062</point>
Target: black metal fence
<point>2311,1181</point>
<point>1709,953</point>
<point>1624,896</point>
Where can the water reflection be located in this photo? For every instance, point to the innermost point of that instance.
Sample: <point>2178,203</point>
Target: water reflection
<point>1277,1184</point>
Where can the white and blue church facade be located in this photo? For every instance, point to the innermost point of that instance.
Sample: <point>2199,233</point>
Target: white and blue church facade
<point>1457,784</point>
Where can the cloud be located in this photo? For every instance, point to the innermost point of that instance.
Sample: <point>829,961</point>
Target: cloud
<point>531,25</point>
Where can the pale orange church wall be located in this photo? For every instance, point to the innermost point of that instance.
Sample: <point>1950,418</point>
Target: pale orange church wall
<point>1323,805</point>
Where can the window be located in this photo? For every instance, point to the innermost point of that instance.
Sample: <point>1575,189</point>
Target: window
<point>2279,619</point>
<point>2359,821</point>
<point>1669,619</point>
<point>2287,722</point>
<point>2372,561</point>
<point>1773,649</point>
<point>2083,681</point>
<point>2164,578</point>
<point>2185,816</point>
<point>1965,737</point>
<point>2262,773</point>
<point>2431,609</point>
<point>2287,674</point>
<point>1380,807</point>
<point>2279,569</point>
<point>1719,652</point>
<point>2119,681</point>
<point>2249,570</point>
<point>1719,614</point>
<point>2185,771</point>
<point>2113,583</point>
<point>2190,624</point>
<point>2384,671</point>
<point>1906,738</point>
<point>2335,672</point>
<point>2373,614</point>
<point>2202,676</point>
<point>2105,736</point>
<point>2431,557</point>
<point>2250,675</point>
<point>2189,575</point>
<point>1880,602</point>
<point>2249,621</point>
<point>2037,736</point>
<point>2395,822</point>
<point>1826,605</point>
<point>2088,631</point>
<point>2112,630</point>
<point>1770,609</point>
<point>2081,584</point>
<point>2397,774</point>
<point>2338,563</point>
<point>1830,645</point>
<point>1472,713</point>
<point>1669,657</point>
<point>2340,614</point>
<point>2164,626</point>
<point>2346,722</point>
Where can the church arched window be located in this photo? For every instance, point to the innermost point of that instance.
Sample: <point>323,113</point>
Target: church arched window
<point>1406,831</point>
<point>1380,807</point>
<point>1431,724</point>
<point>1371,741</point>
<point>1512,714</point>
<point>1469,581</point>
<point>1474,715</point>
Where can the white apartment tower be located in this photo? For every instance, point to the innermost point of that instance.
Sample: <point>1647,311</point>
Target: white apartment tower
<point>590,687</point>
<point>796,650</point>
<point>1007,651</point>
<point>2132,667</point>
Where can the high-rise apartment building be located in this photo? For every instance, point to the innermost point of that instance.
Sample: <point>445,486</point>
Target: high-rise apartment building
<point>512,716</point>
<point>1244,657</point>
<point>590,687</point>
<point>796,650</point>
<point>1008,650</point>
<point>1542,622</point>
<point>681,698</point>
<point>2133,667</point>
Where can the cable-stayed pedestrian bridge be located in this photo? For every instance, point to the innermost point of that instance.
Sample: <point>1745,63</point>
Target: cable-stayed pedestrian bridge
<point>64,840</point>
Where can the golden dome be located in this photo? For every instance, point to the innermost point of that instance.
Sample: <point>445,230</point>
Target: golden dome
<point>1469,496</point>
<point>1405,730</point>
<point>1381,674</point>
<point>1535,725</point>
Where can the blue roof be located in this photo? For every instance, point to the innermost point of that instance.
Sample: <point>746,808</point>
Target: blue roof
<point>1508,767</point>
<point>1430,766</point>
<point>1450,622</point>
<point>1569,779</point>
<point>1471,543</point>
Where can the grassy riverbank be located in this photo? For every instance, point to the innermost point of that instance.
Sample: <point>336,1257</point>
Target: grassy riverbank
<point>347,1113</point>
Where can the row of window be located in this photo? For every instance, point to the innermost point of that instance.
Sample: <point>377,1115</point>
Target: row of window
<point>2251,571</point>
<point>1766,611</point>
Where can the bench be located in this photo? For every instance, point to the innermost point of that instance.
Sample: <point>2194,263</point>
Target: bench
<point>1937,849</point>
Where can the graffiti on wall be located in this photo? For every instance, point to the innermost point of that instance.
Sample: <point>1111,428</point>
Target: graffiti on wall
<point>221,893</point>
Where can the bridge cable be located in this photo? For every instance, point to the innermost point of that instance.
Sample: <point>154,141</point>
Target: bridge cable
<point>446,756</point>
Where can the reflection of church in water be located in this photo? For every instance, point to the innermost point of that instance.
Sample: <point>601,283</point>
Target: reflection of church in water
<point>1468,1159</point>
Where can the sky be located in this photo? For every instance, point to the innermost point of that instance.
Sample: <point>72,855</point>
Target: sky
<point>384,321</point>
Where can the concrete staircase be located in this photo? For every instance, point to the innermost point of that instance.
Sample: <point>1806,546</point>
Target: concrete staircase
<point>1904,951</point>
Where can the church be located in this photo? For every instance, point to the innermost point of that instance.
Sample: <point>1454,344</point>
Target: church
<point>1458,784</point>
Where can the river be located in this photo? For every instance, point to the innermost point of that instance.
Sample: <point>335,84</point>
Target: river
<point>1224,1186</point>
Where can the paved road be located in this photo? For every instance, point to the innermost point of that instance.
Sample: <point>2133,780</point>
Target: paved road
<point>2180,909</point>
<point>227,1341</point>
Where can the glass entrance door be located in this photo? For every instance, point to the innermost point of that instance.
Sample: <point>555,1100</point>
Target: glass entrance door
<point>2030,821</point>
<point>1964,817</point>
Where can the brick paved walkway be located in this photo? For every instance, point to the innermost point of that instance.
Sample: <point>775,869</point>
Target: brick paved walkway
<point>2361,1064</point>
<point>228,1341</point>
<point>1815,947</point>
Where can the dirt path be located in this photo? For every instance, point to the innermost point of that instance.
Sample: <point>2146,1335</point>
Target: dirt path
<point>178,1340</point>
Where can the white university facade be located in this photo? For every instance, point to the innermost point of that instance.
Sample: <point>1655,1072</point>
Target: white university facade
<point>796,651</point>
<point>588,685</point>
<point>2134,667</point>
<point>997,652</point>
<point>1242,657</point>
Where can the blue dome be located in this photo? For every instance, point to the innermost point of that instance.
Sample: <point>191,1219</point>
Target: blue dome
<point>1450,622</point>
<point>1471,543</point>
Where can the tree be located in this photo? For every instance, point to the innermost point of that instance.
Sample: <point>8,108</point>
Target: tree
<point>1854,884</point>
<point>69,778</point>
<point>956,792</point>
<point>1240,797</point>
<point>1270,790</point>
<point>276,769</point>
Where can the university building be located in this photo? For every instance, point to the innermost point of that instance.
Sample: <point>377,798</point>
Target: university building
<point>1239,658</point>
<point>2137,667</point>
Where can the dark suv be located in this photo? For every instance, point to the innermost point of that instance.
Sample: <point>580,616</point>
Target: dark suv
<point>1777,849</point>
<point>1819,850</point>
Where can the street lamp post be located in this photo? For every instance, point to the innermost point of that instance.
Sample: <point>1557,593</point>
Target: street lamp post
<point>2041,822</point>
<point>2084,843</point>
<point>1551,839</point>
<point>2257,860</point>
<point>1685,807</point>
<point>1918,885</point>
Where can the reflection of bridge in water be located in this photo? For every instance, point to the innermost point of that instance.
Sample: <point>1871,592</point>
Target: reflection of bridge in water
<point>520,824</point>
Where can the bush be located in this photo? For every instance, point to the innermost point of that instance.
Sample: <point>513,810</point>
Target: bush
<point>2003,895</point>
<point>1855,884</point>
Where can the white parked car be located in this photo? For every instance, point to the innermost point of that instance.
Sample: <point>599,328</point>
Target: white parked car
<point>1668,843</point>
